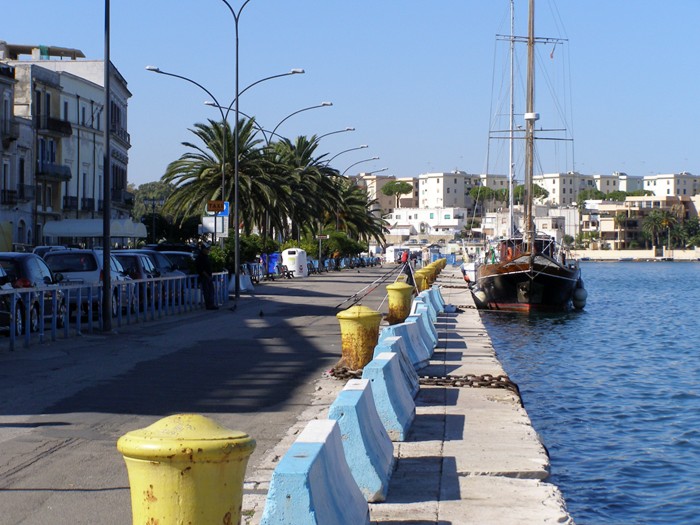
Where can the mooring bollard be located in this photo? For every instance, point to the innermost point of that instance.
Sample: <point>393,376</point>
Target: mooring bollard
<point>419,278</point>
<point>400,296</point>
<point>359,331</point>
<point>186,468</point>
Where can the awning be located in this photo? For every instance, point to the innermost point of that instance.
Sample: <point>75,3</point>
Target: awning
<point>93,228</point>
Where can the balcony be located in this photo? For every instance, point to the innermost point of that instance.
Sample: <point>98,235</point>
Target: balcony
<point>55,126</point>
<point>122,134</point>
<point>8,196</point>
<point>87,204</point>
<point>122,197</point>
<point>50,171</point>
<point>25,192</point>
<point>70,203</point>
<point>9,131</point>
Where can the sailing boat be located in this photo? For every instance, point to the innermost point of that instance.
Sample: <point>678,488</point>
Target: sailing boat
<point>528,271</point>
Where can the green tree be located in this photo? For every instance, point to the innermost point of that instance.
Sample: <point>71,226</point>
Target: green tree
<point>620,222</point>
<point>397,188</point>
<point>588,195</point>
<point>652,224</point>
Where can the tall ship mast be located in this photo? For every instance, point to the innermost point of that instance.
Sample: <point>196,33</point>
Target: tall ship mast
<point>528,271</point>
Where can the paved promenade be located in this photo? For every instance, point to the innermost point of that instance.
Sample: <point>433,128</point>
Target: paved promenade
<point>471,455</point>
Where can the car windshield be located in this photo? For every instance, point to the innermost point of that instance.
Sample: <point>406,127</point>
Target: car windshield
<point>71,262</point>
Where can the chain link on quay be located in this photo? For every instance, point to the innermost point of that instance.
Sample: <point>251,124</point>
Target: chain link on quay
<point>466,380</point>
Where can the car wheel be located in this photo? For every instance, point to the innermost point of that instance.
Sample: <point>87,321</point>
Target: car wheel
<point>61,315</point>
<point>19,319</point>
<point>34,319</point>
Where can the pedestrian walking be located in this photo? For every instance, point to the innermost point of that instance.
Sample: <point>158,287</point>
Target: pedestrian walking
<point>204,270</point>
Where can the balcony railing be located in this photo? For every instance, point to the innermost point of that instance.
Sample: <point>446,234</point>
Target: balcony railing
<point>25,192</point>
<point>70,203</point>
<point>8,196</point>
<point>9,131</point>
<point>54,125</point>
<point>121,133</point>
<point>52,171</point>
<point>87,204</point>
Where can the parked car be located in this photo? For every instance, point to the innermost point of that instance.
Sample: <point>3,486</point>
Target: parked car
<point>183,261</point>
<point>42,250</point>
<point>163,268</point>
<point>28,270</point>
<point>6,316</point>
<point>87,266</point>
<point>139,266</point>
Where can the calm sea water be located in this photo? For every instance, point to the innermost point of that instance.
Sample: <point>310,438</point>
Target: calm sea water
<point>614,391</point>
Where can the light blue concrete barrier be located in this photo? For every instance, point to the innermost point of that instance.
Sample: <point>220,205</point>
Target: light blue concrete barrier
<point>398,346</point>
<point>423,310</point>
<point>312,485</point>
<point>394,404</point>
<point>369,451</point>
<point>437,295</point>
<point>429,297</point>
<point>425,299</point>
<point>425,333</point>
<point>415,348</point>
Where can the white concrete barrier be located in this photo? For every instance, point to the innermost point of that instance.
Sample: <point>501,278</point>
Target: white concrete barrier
<point>369,451</point>
<point>398,346</point>
<point>312,485</point>
<point>416,350</point>
<point>429,297</point>
<point>394,404</point>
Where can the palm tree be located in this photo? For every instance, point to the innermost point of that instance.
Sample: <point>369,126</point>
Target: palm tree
<point>668,221</point>
<point>620,221</point>
<point>197,174</point>
<point>652,225</point>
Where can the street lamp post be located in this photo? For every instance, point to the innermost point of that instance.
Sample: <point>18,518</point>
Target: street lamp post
<point>363,146</point>
<point>153,203</point>
<point>358,162</point>
<point>334,132</point>
<point>321,105</point>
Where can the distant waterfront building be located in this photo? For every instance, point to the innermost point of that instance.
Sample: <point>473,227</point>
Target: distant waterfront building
<point>679,184</point>
<point>431,224</point>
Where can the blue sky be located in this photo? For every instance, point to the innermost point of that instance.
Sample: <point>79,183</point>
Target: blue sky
<point>414,78</point>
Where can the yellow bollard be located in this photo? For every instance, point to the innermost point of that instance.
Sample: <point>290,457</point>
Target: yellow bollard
<point>400,295</point>
<point>186,469</point>
<point>421,280</point>
<point>359,330</point>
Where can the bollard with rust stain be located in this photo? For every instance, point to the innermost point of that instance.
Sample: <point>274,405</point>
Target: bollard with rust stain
<point>359,331</point>
<point>400,296</point>
<point>186,469</point>
<point>421,280</point>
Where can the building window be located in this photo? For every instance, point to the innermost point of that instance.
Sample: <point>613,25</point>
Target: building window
<point>432,215</point>
<point>447,216</point>
<point>82,115</point>
<point>65,110</point>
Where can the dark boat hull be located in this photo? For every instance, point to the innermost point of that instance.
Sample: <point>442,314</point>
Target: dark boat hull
<point>526,284</point>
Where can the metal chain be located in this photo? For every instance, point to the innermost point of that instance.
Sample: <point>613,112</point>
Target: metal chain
<point>343,372</point>
<point>471,380</point>
<point>467,380</point>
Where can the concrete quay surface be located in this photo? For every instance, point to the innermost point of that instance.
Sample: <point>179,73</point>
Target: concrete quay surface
<point>471,456</point>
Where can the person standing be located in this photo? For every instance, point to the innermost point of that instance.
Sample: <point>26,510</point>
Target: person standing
<point>203,267</point>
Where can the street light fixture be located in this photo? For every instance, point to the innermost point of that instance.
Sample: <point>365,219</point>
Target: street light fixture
<point>363,146</point>
<point>356,163</point>
<point>321,105</point>
<point>334,132</point>
<point>375,171</point>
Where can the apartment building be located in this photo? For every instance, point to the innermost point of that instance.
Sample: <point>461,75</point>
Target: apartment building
<point>56,167</point>
<point>678,184</point>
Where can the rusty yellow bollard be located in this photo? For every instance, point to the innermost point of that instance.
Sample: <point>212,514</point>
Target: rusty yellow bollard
<point>421,280</point>
<point>186,469</point>
<point>359,331</point>
<point>400,295</point>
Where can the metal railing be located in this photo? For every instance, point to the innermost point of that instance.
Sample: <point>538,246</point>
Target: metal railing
<point>70,309</point>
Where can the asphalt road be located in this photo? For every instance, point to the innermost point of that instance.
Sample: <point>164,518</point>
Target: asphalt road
<point>63,405</point>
